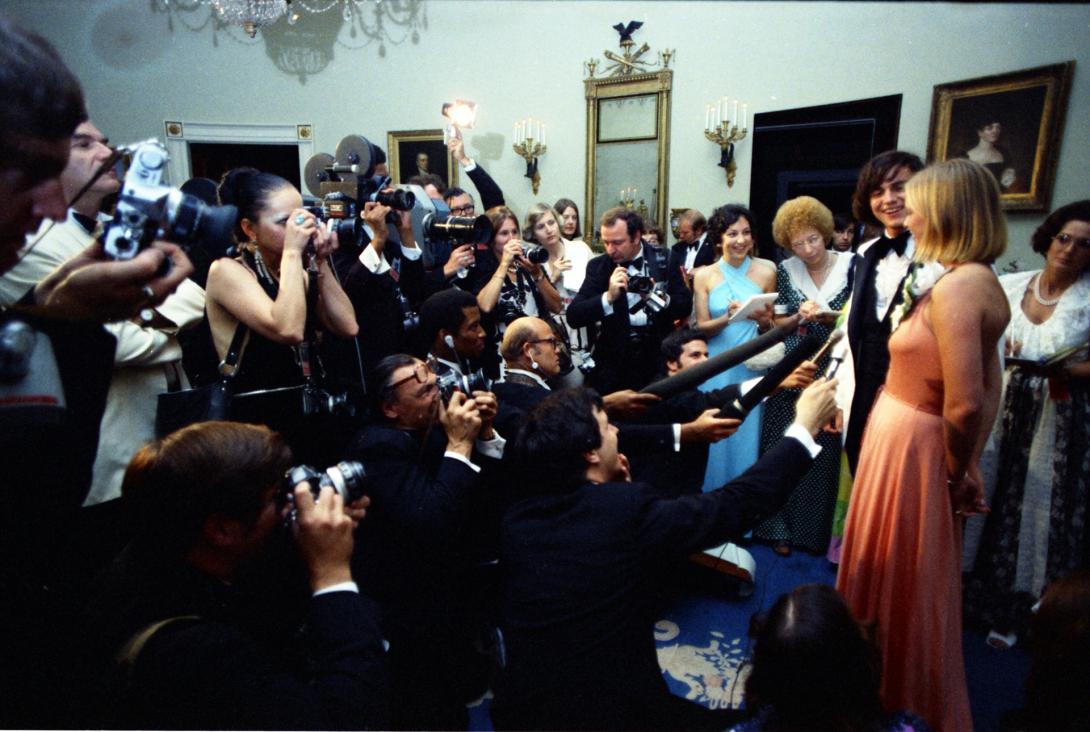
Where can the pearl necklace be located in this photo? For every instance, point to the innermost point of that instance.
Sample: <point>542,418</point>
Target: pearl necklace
<point>1037,293</point>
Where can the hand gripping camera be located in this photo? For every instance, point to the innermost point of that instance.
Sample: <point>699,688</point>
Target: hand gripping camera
<point>148,210</point>
<point>450,381</point>
<point>348,479</point>
<point>653,295</point>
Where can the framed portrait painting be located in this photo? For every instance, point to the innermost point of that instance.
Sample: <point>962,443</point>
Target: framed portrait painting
<point>416,152</point>
<point>1012,124</point>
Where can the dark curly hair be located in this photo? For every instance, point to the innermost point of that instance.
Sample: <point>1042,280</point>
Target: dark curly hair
<point>725,217</point>
<point>553,438</point>
<point>875,172</point>
<point>1050,227</point>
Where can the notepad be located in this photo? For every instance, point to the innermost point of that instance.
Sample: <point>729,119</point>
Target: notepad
<point>752,304</point>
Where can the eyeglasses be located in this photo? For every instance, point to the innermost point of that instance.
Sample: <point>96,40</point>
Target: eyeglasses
<point>813,240</point>
<point>1064,239</point>
<point>466,210</point>
<point>554,341</point>
<point>421,372</point>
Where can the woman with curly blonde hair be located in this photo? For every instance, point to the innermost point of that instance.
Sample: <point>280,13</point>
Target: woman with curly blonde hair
<point>813,283</point>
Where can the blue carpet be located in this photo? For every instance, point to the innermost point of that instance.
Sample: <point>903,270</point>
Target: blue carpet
<point>704,648</point>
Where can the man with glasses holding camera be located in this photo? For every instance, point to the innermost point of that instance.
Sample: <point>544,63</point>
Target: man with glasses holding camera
<point>433,514</point>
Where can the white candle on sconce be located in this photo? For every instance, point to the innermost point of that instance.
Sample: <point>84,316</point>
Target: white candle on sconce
<point>734,115</point>
<point>745,116</point>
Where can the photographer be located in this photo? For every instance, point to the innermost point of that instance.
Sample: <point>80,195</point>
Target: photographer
<point>627,352</point>
<point>193,623</point>
<point>277,294</point>
<point>416,551</point>
<point>56,352</point>
<point>385,284</point>
<point>582,552</point>
<point>450,322</point>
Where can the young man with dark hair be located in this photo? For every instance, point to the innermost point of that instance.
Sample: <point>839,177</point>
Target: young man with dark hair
<point>194,624</point>
<point>450,321</point>
<point>880,269</point>
<point>582,550</point>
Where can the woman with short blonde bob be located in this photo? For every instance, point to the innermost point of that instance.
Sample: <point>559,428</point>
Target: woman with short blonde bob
<point>918,474</point>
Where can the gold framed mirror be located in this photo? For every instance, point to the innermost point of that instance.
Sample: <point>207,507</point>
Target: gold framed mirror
<point>628,139</point>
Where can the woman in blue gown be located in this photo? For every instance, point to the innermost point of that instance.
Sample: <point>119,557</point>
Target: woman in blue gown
<point>718,291</point>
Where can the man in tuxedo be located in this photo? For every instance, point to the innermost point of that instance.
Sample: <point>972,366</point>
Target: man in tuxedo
<point>627,352</point>
<point>432,514</point>
<point>583,549</point>
<point>691,251</point>
<point>880,269</point>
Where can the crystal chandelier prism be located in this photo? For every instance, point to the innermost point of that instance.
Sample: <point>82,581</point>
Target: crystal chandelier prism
<point>250,14</point>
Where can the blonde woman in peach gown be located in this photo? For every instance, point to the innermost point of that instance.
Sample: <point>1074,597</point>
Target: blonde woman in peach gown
<point>918,470</point>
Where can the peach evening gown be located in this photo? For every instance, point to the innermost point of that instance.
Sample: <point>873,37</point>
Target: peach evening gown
<point>900,568</point>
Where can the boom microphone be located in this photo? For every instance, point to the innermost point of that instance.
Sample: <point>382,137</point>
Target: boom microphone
<point>694,376</point>
<point>740,407</point>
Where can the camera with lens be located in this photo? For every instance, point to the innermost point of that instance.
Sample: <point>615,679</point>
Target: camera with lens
<point>348,479</point>
<point>319,401</point>
<point>640,284</point>
<point>450,381</point>
<point>535,254</point>
<point>147,210</point>
<point>586,363</point>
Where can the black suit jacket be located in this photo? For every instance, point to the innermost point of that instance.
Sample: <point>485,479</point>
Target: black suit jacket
<point>869,342</point>
<point>678,473</point>
<point>582,569</point>
<point>620,363</point>
<point>680,284</point>
<point>416,553</point>
<point>237,664</point>
<point>378,310</point>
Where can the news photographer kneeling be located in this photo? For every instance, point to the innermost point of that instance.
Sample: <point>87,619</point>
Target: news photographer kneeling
<point>193,622</point>
<point>418,552</point>
<point>582,550</point>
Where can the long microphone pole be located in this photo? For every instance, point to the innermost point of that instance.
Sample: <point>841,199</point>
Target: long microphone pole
<point>693,376</point>
<point>805,350</point>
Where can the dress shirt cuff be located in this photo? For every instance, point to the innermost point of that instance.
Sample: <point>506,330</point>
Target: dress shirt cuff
<point>374,261</point>
<point>462,459</point>
<point>492,448</point>
<point>676,426</point>
<point>411,254</point>
<point>607,306</point>
<point>470,166</point>
<point>802,434</point>
<point>339,587</point>
<point>748,384</point>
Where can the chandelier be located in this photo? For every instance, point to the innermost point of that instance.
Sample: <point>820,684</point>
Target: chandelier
<point>250,14</point>
<point>366,21</point>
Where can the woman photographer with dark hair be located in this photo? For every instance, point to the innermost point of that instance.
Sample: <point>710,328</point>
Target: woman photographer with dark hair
<point>813,670</point>
<point>279,291</point>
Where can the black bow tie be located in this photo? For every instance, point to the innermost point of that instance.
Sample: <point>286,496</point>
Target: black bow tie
<point>885,245</point>
<point>695,244</point>
<point>636,263</point>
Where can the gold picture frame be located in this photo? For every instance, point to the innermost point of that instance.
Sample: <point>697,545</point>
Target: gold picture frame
<point>1022,149</point>
<point>404,147</point>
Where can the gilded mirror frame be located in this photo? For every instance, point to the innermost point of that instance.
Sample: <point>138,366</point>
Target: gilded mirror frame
<point>659,83</point>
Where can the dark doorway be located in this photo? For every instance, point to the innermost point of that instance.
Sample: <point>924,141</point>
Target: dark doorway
<point>213,159</point>
<point>815,151</point>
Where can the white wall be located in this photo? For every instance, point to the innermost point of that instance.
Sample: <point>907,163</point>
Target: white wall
<point>522,58</point>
